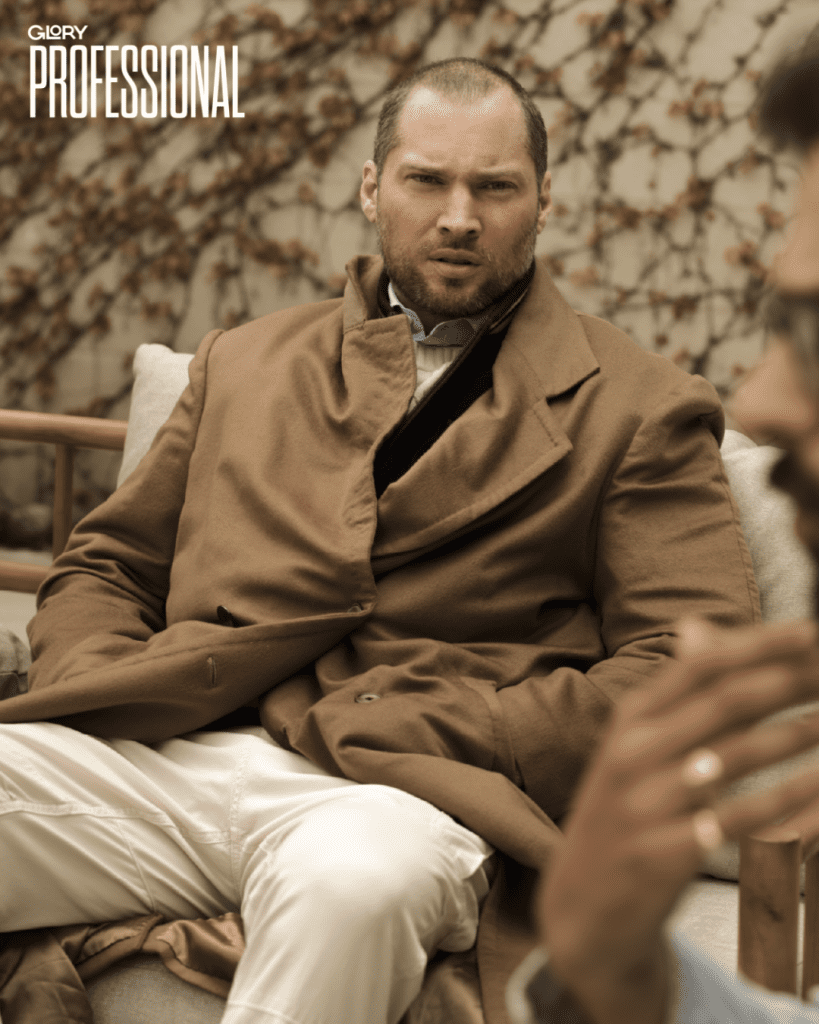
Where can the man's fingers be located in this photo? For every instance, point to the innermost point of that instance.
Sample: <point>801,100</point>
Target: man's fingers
<point>674,788</point>
<point>769,744</point>
<point>703,645</point>
<point>706,653</point>
<point>678,843</point>
<point>739,700</point>
<point>742,815</point>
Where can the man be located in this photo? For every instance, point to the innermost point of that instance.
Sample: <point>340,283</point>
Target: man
<point>430,534</point>
<point>651,804</point>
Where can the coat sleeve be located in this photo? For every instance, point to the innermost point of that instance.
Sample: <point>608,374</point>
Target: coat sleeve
<point>667,544</point>
<point>104,599</point>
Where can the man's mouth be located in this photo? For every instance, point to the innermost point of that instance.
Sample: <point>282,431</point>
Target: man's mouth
<point>456,259</point>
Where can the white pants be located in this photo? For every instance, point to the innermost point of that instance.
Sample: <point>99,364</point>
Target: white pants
<point>344,889</point>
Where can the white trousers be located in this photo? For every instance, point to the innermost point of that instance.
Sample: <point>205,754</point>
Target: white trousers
<point>344,889</point>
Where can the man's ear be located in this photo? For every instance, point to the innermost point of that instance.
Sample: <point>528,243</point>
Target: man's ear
<point>369,191</point>
<point>545,201</point>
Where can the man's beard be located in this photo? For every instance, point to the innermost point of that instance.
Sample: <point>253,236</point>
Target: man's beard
<point>788,476</point>
<point>455,298</point>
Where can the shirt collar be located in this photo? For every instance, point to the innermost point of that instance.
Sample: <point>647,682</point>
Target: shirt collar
<point>456,333</point>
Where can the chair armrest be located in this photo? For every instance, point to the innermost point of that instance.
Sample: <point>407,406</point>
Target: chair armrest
<point>57,428</point>
<point>66,433</point>
<point>770,866</point>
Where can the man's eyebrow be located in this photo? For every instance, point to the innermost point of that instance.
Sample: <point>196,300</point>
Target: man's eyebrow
<point>411,165</point>
<point>501,172</point>
<point>488,175</point>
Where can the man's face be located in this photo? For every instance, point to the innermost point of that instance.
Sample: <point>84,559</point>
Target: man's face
<point>778,403</point>
<point>458,208</point>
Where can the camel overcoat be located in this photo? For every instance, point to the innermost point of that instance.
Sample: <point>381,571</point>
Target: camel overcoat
<point>464,635</point>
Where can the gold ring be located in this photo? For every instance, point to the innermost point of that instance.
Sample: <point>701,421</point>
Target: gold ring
<point>701,767</point>
<point>707,830</point>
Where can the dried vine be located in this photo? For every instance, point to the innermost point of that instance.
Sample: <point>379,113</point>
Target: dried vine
<point>162,223</point>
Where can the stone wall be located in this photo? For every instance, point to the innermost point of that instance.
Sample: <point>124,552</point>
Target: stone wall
<point>120,230</point>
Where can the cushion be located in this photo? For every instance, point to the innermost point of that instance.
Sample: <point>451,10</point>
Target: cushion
<point>14,664</point>
<point>142,989</point>
<point>160,377</point>
<point>785,575</point>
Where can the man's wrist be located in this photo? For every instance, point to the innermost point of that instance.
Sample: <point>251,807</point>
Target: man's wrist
<point>639,994</point>
<point>535,995</point>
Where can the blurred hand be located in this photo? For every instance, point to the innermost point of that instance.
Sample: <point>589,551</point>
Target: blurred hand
<point>652,803</point>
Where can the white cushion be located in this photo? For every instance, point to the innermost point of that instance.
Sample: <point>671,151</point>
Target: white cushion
<point>15,662</point>
<point>785,575</point>
<point>784,571</point>
<point>160,377</point>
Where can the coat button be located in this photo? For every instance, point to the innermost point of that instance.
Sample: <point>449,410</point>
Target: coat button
<point>367,698</point>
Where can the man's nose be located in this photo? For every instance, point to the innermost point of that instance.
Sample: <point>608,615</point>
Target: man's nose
<point>459,215</point>
<point>773,404</point>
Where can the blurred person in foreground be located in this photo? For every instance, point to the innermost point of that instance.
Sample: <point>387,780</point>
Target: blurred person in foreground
<point>652,803</point>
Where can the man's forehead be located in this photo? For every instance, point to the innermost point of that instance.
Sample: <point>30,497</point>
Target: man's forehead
<point>431,119</point>
<point>426,99</point>
<point>796,267</point>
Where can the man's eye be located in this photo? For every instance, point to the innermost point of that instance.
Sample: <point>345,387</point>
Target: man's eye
<point>499,186</point>
<point>425,179</point>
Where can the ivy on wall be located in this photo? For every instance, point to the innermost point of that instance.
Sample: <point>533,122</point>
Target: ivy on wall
<point>143,233</point>
<point>165,223</point>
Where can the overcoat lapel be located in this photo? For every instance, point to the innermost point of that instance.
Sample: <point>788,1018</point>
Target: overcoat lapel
<point>504,441</point>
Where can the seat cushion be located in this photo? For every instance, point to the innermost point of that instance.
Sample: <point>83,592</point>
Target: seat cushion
<point>14,664</point>
<point>160,377</point>
<point>785,573</point>
<point>141,990</point>
<point>786,577</point>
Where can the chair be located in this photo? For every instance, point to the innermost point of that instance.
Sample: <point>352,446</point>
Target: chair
<point>768,865</point>
<point>66,433</point>
<point>771,863</point>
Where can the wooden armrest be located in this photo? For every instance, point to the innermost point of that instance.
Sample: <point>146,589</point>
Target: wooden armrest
<point>770,866</point>
<point>66,433</point>
<point>56,428</point>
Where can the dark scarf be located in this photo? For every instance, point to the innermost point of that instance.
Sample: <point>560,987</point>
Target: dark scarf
<point>466,378</point>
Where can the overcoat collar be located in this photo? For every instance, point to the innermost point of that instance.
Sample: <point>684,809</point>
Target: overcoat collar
<point>506,439</point>
<point>361,293</point>
<point>557,349</point>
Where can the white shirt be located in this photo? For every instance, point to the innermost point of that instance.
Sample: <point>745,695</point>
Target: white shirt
<point>436,350</point>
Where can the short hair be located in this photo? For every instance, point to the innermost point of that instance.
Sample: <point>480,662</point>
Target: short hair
<point>789,101</point>
<point>466,79</point>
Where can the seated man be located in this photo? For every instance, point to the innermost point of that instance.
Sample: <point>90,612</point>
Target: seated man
<point>652,803</point>
<point>428,534</point>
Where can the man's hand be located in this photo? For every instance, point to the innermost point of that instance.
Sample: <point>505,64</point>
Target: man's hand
<point>651,805</point>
